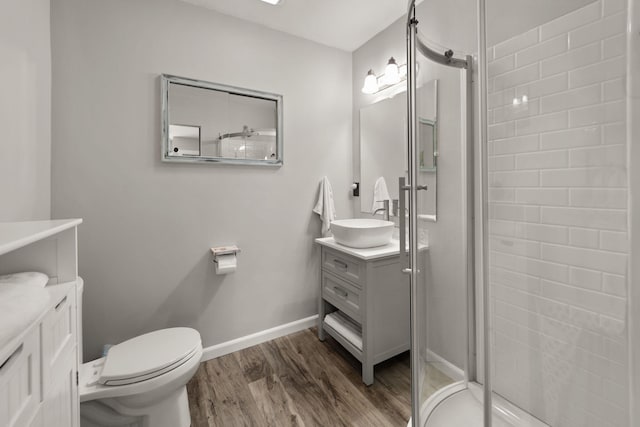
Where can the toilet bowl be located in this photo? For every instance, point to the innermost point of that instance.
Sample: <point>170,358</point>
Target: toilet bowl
<point>142,381</point>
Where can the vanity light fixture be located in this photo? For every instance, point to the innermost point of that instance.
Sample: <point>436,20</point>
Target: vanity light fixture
<point>370,83</point>
<point>273,2</point>
<point>393,75</point>
<point>392,72</point>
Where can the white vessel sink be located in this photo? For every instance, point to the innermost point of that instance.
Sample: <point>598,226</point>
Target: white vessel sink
<point>362,232</point>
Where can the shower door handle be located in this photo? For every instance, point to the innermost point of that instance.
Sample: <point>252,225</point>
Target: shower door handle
<point>402,202</point>
<point>402,220</point>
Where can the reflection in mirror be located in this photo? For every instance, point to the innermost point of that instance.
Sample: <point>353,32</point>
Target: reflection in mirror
<point>209,122</point>
<point>427,106</point>
<point>383,135</point>
<point>427,138</point>
<point>184,140</point>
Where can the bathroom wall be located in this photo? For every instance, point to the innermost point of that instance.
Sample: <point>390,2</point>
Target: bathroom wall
<point>25,110</point>
<point>558,217</point>
<point>446,326</point>
<point>144,246</point>
<point>511,17</point>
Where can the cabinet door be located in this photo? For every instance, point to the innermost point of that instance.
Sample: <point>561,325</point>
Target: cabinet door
<point>58,337</point>
<point>20,382</point>
<point>59,357</point>
<point>60,404</point>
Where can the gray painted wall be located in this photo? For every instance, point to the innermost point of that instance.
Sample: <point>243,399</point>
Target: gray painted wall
<point>25,110</point>
<point>144,246</point>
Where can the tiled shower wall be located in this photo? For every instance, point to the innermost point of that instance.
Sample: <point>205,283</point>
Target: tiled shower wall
<point>558,217</point>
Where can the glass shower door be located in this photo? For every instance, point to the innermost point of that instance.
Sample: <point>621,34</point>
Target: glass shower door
<point>440,200</point>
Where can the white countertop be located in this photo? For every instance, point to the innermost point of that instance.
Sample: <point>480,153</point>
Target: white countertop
<point>14,235</point>
<point>366,254</point>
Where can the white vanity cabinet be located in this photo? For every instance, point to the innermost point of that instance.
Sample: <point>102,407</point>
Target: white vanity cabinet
<point>367,285</point>
<point>39,366</point>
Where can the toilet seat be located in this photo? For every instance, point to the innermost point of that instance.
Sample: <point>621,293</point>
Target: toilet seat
<point>136,379</point>
<point>149,355</point>
<point>173,368</point>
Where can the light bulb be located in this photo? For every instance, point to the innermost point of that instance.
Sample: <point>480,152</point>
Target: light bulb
<point>392,73</point>
<point>370,83</point>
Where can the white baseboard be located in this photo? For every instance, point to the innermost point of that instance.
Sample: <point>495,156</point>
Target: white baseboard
<point>446,367</point>
<point>257,338</point>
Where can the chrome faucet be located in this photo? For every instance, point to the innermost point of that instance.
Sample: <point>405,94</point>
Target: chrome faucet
<point>385,209</point>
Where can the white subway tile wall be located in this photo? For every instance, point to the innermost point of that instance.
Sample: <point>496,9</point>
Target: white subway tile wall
<point>558,217</point>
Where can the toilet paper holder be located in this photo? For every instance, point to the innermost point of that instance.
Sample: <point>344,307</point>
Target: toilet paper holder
<point>224,250</point>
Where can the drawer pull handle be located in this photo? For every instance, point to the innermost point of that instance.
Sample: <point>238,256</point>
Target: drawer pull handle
<point>341,292</point>
<point>7,363</point>
<point>340,264</point>
<point>59,305</point>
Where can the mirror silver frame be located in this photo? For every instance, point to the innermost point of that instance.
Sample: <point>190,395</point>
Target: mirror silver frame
<point>167,79</point>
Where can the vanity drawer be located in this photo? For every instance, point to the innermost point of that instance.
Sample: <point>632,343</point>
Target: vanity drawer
<point>343,266</point>
<point>58,337</point>
<point>20,382</point>
<point>342,294</point>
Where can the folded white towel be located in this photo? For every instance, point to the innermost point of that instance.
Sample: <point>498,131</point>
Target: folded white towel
<point>325,206</point>
<point>32,278</point>
<point>346,327</point>
<point>19,306</point>
<point>380,194</point>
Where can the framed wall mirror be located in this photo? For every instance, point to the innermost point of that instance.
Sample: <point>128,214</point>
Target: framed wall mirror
<point>383,152</point>
<point>215,123</point>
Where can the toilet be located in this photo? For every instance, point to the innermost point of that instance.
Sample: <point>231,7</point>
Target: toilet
<point>142,381</point>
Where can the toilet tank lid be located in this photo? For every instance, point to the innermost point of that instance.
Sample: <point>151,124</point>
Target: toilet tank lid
<point>149,353</point>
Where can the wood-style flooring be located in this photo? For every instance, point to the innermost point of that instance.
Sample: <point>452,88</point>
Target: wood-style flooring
<point>298,380</point>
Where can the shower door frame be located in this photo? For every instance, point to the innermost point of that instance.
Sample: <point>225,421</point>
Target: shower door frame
<point>414,44</point>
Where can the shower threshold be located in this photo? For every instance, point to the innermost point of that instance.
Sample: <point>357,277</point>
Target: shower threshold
<point>460,405</point>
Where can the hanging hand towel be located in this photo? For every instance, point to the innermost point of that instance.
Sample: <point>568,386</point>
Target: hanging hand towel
<point>325,207</point>
<point>380,193</point>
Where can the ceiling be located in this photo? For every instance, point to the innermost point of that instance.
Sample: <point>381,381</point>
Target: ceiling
<point>344,24</point>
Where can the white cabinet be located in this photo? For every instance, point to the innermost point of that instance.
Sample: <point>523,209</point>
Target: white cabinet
<point>39,366</point>
<point>20,392</point>
<point>367,285</point>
